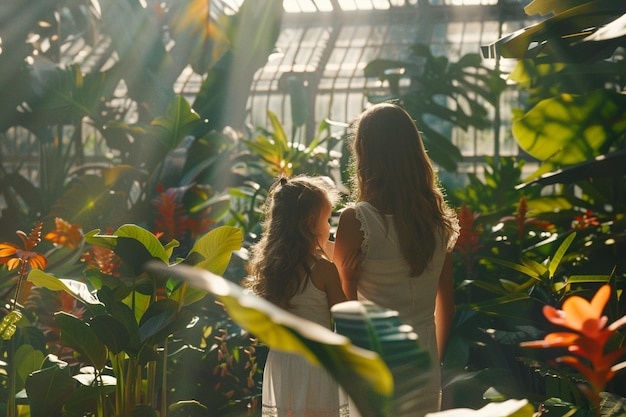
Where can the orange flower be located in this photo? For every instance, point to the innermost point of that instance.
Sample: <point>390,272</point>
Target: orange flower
<point>581,315</point>
<point>65,234</point>
<point>588,339</point>
<point>13,255</point>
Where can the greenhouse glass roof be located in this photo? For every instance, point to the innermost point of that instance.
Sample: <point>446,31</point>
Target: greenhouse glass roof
<point>326,44</point>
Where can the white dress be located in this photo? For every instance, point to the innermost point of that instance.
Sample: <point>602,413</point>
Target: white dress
<point>385,280</point>
<point>294,387</point>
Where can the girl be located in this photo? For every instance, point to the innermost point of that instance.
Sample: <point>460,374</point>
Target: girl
<point>404,233</point>
<point>290,268</point>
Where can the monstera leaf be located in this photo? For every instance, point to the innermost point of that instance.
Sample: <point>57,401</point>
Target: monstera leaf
<point>362,373</point>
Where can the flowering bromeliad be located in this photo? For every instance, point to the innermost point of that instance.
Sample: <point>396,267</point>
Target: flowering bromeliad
<point>587,341</point>
<point>172,219</point>
<point>523,221</point>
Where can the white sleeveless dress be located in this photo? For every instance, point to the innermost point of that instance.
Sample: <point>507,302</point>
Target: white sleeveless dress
<point>294,387</point>
<point>385,280</point>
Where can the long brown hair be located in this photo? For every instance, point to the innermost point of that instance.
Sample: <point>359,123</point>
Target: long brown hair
<point>282,257</point>
<point>394,173</point>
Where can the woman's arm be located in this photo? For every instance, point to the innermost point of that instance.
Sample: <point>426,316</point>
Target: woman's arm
<point>444,305</point>
<point>347,254</point>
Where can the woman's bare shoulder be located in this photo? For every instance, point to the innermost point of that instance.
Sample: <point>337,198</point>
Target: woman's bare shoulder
<point>348,216</point>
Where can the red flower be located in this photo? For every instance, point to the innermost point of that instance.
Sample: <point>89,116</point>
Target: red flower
<point>171,219</point>
<point>586,220</point>
<point>103,259</point>
<point>523,221</point>
<point>468,243</point>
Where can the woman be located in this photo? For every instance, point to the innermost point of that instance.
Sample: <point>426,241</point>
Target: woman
<point>403,231</point>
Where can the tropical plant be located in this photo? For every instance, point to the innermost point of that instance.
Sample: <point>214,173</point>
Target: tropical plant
<point>369,326</point>
<point>269,154</point>
<point>120,341</point>
<point>571,64</point>
<point>440,93</point>
<point>587,343</point>
<point>376,358</point>
<point>96,90</point>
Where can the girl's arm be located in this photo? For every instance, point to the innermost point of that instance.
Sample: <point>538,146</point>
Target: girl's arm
<point>348,251</point>
<point>444,305</point>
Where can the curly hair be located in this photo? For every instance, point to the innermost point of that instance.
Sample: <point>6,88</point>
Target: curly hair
<point>395,174</point>
<point>282,257</point>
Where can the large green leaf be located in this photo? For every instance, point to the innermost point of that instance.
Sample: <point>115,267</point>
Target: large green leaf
<point>111,332</point>
<point>612,165</point>
<point>178,122</point>
<point>162,319</point>
<point>134,245</point>
<point>567,129</point>
<point>76,289</point>
<point>212,252</point>
<point>563,37</point>
<point>216,248</point>
<point>362,373</point>
<point>124,315</point>
<point>26,360</point>
<point>148,239</point>
<point>79,336</point>
<point>49,388</point>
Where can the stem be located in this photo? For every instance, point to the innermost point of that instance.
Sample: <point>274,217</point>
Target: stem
<point>100,400</point>
<point>164,382</point>
<point>20,282</point>
<point>117,362</point>
<point>11,404</point>
<point>150,383</point>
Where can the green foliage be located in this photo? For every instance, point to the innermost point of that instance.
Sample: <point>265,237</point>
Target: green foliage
<point>567,129</point>
<point>440,94</point>
<point>494,191</point>
<point>126,323</point>
<point>269,154</point>
<point>56,96</point>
